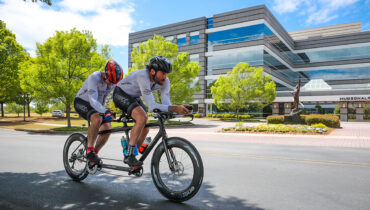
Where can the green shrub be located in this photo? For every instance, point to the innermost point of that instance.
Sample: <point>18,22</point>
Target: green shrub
<point>219,115</point>
<point>275,119</point>
<point>150,114</point>
<point>319,125</point>
<point>197,115</point>
<point>227,115</point>
<point>328,120</point>
<point>209,115</point>
<point>214,115</point>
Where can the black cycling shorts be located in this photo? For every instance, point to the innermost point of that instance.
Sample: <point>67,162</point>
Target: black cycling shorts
<point>126,102</point>
<point>84,109</point>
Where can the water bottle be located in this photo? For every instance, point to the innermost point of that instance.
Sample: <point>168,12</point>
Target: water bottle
<point>145,144</point>
<point>125,147</point>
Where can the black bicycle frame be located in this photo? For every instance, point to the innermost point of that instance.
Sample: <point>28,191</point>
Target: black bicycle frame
<point>161,134</point>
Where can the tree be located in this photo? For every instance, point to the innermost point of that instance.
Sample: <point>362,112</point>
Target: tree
<point>241,86</point>
<point>41,107</point>
<point>14,108</point>
<point>63,63</point>
<point>183,84</point>
<point>27,80</point>
<point>11,54</point>
<point>48,2</point>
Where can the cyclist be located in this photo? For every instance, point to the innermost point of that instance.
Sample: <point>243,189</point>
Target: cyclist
<point>89,104</point>
<point>126,96</point>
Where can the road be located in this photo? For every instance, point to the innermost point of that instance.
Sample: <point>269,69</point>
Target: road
<point>240,173</point>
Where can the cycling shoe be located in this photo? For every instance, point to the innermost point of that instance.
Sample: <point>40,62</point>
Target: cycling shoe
<point>132,161</point>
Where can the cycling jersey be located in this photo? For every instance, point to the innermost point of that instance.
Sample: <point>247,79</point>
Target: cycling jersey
<point>95,90</point>
<point>138,84</point>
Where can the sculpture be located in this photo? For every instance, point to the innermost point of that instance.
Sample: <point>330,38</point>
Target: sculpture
<point>295,110</point>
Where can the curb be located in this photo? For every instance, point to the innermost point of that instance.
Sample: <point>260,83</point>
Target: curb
<point>38,131</point>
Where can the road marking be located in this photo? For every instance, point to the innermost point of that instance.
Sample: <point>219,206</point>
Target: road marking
<point>288,159</point>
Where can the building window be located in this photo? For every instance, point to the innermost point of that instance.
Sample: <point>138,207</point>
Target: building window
<point>170,39</point>
<point>194,38</point>
<point>210,23</point>
<point>194,58</point>
<point>181,40</point>
<point>229,59</point>
<point>238,35</point>
<point>136,45</point>
<point>210,83</point>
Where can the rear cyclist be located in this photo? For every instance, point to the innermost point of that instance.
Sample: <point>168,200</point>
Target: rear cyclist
<point>89,104</point>
<point>126,96</point>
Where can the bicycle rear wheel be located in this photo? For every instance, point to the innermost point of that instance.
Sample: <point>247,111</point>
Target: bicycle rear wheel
<point>74,158</point>
<point>183,180</point>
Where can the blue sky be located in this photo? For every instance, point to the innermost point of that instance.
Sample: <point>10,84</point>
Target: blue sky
<point>36,22</point>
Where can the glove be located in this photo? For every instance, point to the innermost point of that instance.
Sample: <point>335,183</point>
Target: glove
<point>108,116</point>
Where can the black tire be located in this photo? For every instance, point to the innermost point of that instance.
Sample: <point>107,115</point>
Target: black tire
<point>180,148</point>
<point>73,156</point>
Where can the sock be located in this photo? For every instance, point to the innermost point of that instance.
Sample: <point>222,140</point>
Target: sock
<point>89,149</point>
<point>96,151</point>
<point>130,150</point>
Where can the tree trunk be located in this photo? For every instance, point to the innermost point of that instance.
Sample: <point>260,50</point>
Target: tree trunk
<point>237,114</point>
<point>68,110</point>
<point>2,109</point>
<point>28,108</point>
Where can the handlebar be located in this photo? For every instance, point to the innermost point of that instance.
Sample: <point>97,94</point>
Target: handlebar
<point>169,115</point>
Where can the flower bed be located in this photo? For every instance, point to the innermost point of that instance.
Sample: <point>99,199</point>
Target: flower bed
<point>279,128</point>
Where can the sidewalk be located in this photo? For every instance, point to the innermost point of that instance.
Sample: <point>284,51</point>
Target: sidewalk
<point>352,134</point>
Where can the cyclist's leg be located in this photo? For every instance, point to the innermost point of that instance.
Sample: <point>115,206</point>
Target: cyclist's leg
<point>141,119</point>
<point>95,122</point>
<point>102,139</point>
<point>144,131</point>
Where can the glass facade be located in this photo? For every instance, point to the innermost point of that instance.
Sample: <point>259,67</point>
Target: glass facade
<point>210,23</point>
<point>238,35</point>
<point>341,74</point>
<point>228,59</point>
<point>181,40</point>
<point>194,39</point>
<point>338,54</point>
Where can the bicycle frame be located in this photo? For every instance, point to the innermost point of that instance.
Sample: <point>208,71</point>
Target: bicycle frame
<point>161,134</point>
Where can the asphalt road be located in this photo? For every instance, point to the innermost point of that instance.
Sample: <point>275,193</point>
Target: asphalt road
<point>238,175</point>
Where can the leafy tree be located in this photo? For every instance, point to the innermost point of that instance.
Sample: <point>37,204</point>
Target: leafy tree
<point>41,107</point>
<point>11,54</point>
<point>27,80</point>
<point>183,73</point>
<point>241,86</point>
<point>48,2</point>
<point>63,63</point>
<point>14,108</point>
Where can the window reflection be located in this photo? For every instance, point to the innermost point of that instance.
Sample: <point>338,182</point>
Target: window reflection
<point>229,59</point>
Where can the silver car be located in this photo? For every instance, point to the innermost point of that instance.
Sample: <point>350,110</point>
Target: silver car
<point>57,113</point>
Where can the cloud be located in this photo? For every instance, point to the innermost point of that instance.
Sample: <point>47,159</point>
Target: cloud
<point>317,12</point>
<point>109,21</point>
<point>284,6</point>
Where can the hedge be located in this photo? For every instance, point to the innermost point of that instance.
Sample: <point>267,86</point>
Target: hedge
<point>229,116</point>
<point>328,120</point>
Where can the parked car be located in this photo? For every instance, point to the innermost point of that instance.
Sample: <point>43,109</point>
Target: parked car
<point>57,113</point>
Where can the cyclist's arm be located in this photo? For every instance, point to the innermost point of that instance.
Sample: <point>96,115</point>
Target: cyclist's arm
<point>165,92</point>
<point>149,98</point>
<point>92,90</point>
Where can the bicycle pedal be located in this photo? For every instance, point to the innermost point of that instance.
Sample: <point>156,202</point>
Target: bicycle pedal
<point>92,168</point>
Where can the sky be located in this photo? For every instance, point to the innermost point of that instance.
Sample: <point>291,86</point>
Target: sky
<point>111,21</point>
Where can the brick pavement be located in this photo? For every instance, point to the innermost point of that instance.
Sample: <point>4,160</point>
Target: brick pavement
<point>352,134</point>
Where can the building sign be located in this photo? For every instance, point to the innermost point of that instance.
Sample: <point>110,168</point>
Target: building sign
<point>355,98</point>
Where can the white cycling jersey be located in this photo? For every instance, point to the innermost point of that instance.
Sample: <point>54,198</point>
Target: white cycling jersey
<point>95,90</point>
<point>138,84</point>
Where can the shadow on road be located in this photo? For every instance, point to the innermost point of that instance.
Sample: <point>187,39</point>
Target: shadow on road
<point>55,190</point>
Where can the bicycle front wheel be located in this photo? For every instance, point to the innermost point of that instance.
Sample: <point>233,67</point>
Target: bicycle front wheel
<point>74,158</point>
<point>180,179</point>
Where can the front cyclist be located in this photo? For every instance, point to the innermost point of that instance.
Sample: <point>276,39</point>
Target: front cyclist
<point>126,96</point>
<point>89,104</point>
